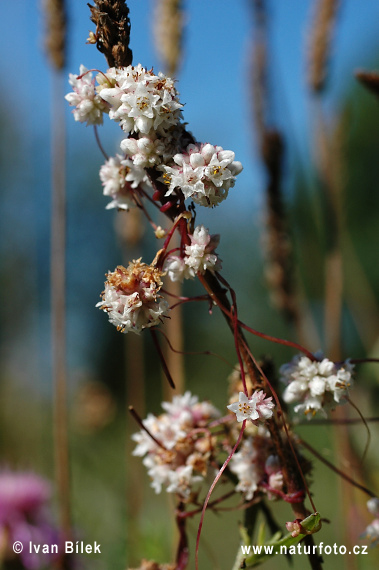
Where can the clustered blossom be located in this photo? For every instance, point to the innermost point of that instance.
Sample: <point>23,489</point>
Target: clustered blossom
<point>89,106</point>
<point>140,100</point>
<point>24,517</point>
<point>119,177</point>
<point>256,467</point>
<point>257,407</point>
<point>318,385</point>
<point>182,459</point>
<point>147,107</point>
<point>199,256</point>
<point>131,297</point>
<point>372,531</point>
<point>145,152</point>
<point>204,173</point>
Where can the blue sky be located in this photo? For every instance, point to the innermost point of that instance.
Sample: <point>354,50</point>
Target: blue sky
<point>214,80</point>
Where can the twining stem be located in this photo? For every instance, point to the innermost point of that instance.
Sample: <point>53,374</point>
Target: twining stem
<point>291,467</point>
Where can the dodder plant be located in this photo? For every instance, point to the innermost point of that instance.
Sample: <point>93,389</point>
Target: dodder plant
<point>162,163</point>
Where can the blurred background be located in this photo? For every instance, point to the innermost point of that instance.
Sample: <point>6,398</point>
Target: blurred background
<point>299,243</point>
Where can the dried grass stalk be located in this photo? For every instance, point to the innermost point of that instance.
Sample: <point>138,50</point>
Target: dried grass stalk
<point>279,270</point>
<point>56,24</point>
<point>112,31</point>
<point>279,273</point>
<point>168,32</point>
<point>320,42</point>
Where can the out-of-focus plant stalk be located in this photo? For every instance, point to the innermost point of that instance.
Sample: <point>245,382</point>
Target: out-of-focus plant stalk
<point>174,330</point>
<point>55,45</point>
<point>130,236</point>
<point>279,270</point>
<point>329,145</point>
<point>321,36</point>
<point>168,32</point>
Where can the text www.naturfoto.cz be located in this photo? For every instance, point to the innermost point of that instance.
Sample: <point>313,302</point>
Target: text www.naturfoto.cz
<point>302,549</point>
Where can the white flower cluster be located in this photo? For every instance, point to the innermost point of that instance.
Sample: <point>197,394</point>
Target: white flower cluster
<point>147,106</point>
<point>183,456</point>
<point>318,385</point>
<point>131,297</point>
<point>140,100</point>
<point>89,106</point>
<point>204,173</point>
<point>119,177</point>
<point>372,531</point>
<point>255,467</point>
<point>257,407</point>
<point>199,256</point>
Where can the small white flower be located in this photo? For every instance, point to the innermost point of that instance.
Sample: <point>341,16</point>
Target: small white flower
<point>119,177</point>
<point>372,532</point>
<point>254,408</point>
<point>204,173</point>
<point>199,255</point>
<point>145,151</point>
<point>142,102</point>
<point>89,106</point>
<point>176,269</point>
<point>373,506</point>
<point>181,480</point>
<point>316,385</point>
<point>248,465</point>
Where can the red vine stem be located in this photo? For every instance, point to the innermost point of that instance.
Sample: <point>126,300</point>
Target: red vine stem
<point>222,469</point>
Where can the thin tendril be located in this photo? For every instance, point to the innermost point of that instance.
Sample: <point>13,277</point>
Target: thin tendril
<point>335,469</point>
<point>193,353</point>
<point>222,469</point>
<point>99,142</point>
<point>366,426</point>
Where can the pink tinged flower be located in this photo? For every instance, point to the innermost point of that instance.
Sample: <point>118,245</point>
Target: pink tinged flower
<point>200,255</point>
<point>89,106</point>
<point>119,177</point>
<point>254,408</point>
<point>131,297</point>
<point>264,405</point>
<point>248,465</point>
<point>178,458</point>
<point>294,527</point>
<point>24,516</point>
